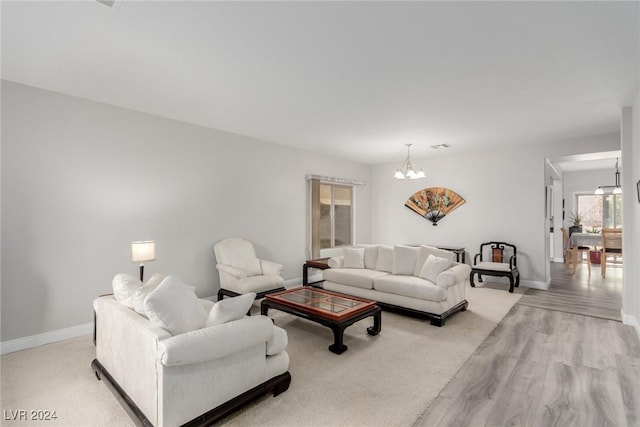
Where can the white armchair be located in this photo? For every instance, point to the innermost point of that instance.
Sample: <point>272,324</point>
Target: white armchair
<point>242,272</point>
<point>196,377</point>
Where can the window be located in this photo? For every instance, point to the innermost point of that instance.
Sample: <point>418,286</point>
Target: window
<point>331,215</point>
<point>600,211</point>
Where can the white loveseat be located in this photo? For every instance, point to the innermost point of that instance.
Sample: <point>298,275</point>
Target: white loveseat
<point>421,280</point>
<point>195,377</point>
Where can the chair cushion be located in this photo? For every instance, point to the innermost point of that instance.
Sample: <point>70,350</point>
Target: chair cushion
<point>175,307</point>
<point>497,266</point>
<point>410,286</point>
<point>404,259</point>
<point>238,253</point>
<point>360,278</point>
<point>251,266</point>
<point>230,309</point>
<point>353,258</point>
<point>432,268</point>
<point>124,287</point>
<point>385,258</point>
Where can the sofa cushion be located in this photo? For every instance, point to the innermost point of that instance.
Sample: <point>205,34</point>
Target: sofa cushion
<point>385,258</point>
<point>410,286</point>
<point>230,309</point>
<point>370,255</point>
<point>144,290</point>
<point>175,307</point>
<point>360,278</point>
<point>353,258</point>
<point>404,259</point>
<point>124,287</point>
<point>424,251</point>
<point>432,268</point>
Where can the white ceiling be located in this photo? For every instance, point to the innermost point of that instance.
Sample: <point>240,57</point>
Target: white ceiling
<point>356,80</point>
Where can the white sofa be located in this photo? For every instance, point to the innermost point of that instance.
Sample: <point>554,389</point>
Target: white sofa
<point>421,280</point>
<point>199,376</point>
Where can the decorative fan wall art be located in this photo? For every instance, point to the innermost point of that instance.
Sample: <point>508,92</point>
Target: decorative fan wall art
<point>434,203</point>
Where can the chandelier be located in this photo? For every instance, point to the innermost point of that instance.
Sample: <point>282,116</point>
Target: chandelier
<point>406,170</point>
<point>616,188</point>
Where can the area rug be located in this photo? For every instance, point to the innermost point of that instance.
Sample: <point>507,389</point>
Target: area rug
<point>387,380</point>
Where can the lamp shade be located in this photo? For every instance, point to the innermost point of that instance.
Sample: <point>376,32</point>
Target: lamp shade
<point>143,251</point>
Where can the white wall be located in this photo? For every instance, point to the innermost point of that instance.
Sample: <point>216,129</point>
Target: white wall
<point>504,193</point>
<point>630,131</point>
<point>81,180</point>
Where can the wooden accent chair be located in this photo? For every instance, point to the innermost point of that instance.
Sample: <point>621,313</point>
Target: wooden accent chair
<point>496,259</point>
<point>571,256</point>
<point>611,246</point>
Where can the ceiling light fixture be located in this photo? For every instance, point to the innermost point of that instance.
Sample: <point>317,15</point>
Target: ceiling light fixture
<point>617,189</point>
<point>406,171</point>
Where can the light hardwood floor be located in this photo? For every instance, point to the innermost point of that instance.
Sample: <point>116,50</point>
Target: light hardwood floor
<point>555,360</point>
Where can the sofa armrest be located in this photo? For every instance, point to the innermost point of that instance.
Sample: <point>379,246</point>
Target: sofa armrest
<point>232,271</point>
<point>278,342</point>
<point>336,262</point>
<point>455,274</point>
<point>270,268</point>
<point>216,341</point>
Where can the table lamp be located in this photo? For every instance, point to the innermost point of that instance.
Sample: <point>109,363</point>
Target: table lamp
<point>143,251</point>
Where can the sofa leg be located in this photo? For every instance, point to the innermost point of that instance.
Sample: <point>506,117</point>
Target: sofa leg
<point>437,321</point>
<point>511,284</point>
<point>282,385</point>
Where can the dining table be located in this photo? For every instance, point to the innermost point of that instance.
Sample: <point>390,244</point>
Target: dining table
<point>583,239</point>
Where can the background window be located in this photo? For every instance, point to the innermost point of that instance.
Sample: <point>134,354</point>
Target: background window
<point>331,216</point>
<point>600,211</point>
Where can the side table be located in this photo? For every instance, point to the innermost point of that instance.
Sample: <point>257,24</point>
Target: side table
<point>320,264</point>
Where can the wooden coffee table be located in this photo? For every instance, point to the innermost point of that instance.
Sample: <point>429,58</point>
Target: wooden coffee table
<point>332,309</point>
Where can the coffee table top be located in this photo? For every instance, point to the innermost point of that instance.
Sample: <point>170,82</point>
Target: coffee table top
<point>328,304</point>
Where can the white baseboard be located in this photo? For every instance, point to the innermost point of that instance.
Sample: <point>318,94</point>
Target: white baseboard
<point>45,338</point>
<point>560,260</point>
<point>631,320</point>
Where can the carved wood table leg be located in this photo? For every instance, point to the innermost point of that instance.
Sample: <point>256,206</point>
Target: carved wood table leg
<point>338,346</point>
<point>377,323</point>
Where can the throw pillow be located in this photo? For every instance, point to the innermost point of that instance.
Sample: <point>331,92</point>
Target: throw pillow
<point>370,256</point>
<point>230,309</point>
<point>174,307</point>
<point>433,266</point>
<point>385,259</point>
<point>425,251</point>
<point>144,290</point>
<point>124,287</point>
<point>353,258</point>
<point>404,259</point>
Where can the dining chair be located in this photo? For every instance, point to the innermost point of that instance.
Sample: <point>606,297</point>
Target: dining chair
<point>571,255</point>
<point>611,246</point>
